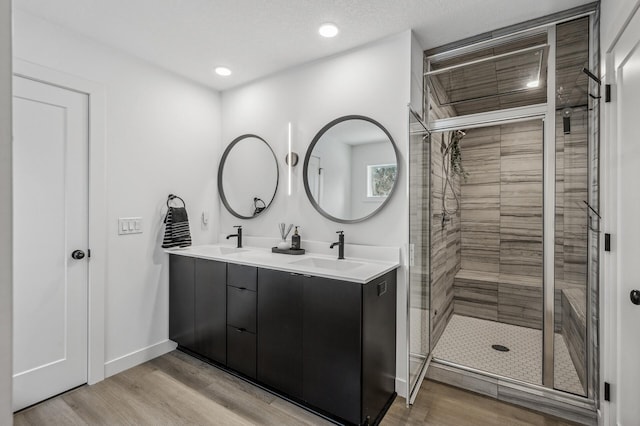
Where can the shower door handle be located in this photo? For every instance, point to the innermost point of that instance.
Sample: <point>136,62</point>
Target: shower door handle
<point>635,297</point>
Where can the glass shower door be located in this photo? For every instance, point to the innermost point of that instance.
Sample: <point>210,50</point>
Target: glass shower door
<point>418,297</point>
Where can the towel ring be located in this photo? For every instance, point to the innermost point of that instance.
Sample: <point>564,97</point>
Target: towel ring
<point>173,197</point>
<point>258,205</point>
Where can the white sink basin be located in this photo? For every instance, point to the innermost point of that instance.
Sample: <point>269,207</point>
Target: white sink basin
<point>252,255</point>
<point>217,250</point>
<point>328,264</point>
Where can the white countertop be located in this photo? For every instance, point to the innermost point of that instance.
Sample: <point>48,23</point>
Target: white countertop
<point>352,269</point>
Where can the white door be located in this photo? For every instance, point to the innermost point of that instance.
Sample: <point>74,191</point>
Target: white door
<point>626,248</point>
<point>50,187</point>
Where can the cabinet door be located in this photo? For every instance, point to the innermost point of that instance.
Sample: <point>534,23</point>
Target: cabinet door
<point>379,344</point>
<point>181,300</point>
<point>241,351</point>
<point>211,309</point>
<point>280,330</point>
<point>332,346</point>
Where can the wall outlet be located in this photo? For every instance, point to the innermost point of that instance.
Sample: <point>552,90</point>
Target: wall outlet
<point>129,225</point>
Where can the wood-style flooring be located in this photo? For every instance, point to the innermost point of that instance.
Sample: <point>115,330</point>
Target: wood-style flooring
<point>177,389</point>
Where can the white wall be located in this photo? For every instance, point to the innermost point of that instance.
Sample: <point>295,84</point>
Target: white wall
<point>417,75</point>
<point>6,370</point>
<point>163,136</point>
<point>613,15</point>
<point>374,81</point>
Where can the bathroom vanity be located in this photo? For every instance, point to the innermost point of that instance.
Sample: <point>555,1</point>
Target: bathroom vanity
<point>318,331</point>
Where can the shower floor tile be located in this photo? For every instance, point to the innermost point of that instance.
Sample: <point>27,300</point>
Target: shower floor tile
<point>467,341</point>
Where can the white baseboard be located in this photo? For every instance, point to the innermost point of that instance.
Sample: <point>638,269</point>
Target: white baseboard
<point>401,387</point>
<point>138,357</point>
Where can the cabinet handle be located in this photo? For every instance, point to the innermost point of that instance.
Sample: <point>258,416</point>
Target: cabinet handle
<point>242,288</point>
<point>382,288</point>
<point>241,330</point>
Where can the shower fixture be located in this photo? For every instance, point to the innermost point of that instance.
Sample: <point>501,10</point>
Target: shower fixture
<point>451,164</point>
<point>592,76</point>
<point>566,121</point>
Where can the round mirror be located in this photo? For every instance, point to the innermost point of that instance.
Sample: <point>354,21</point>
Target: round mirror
<point>350,169</point>
<point>248,176</point>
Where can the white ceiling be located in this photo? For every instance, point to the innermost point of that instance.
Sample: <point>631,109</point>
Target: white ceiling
<point>256,38</point>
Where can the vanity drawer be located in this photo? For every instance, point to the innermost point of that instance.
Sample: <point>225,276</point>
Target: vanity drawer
<point>242,276</point>
<point>241,308</point>
<point>241,351</point>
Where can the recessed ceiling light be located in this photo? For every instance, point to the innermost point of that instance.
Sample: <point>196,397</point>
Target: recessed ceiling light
<point>534,83</point>
<point>328,30</point>
<point>223,71</point>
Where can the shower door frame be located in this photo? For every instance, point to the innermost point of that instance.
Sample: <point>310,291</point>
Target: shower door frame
<point>413,388</point>
<point>547,113</point>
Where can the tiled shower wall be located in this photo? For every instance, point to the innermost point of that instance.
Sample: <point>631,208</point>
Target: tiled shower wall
<point>502,199</point>
<point>445,236</point>
<point>501,250</point>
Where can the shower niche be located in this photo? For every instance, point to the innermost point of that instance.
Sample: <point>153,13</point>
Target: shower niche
<point>512,260</point>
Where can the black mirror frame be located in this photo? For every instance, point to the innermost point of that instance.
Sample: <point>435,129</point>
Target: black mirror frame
<point>221,169</point>
<point>307,157</point>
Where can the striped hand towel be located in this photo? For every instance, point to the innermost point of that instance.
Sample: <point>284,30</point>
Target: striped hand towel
<point>176,233</point>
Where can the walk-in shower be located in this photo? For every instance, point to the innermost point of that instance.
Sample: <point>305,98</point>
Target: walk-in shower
<point>504,217</point>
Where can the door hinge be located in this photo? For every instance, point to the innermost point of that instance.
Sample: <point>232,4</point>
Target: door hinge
<point>88,252</point>
<point>607,93</point>
<point>607,242</point>
<point>607,391</point>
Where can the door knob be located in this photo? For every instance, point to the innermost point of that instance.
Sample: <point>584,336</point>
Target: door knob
<point>635,297</point>
<point>77,254</point>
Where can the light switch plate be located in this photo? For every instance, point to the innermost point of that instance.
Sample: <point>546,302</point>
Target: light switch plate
<point>129,225</point>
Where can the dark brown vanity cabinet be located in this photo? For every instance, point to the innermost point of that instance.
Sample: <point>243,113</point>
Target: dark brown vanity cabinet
<point>349,350</point>
<point>197,306</point>
<point>181,298</point>
<point>210,310</point>
<point>280,330</point>
<point>327,344</point>
<point>332,350</point>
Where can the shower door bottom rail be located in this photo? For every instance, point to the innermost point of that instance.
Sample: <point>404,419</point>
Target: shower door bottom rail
<point>413,392</point>
<point>536,397</point>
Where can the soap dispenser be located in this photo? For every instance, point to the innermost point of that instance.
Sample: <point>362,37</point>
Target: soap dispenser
<point>295,240</point>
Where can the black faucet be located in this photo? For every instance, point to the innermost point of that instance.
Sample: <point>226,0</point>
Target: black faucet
<point>239,235</point>
<point>340,244</point>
